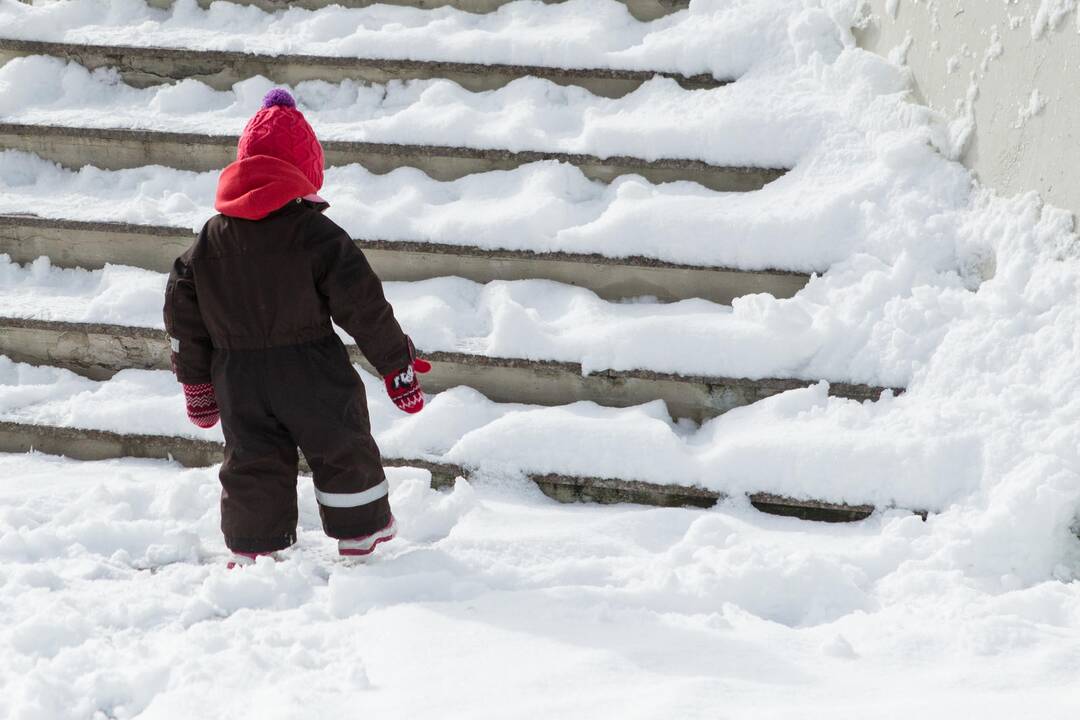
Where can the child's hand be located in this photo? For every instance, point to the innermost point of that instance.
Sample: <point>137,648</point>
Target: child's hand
<point>403,386</point>
<point>202,407</point>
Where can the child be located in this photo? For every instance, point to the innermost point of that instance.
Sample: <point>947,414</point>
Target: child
<point>248,310</point>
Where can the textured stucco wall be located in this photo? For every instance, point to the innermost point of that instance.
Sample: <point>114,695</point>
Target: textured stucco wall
<point>1011,68</point>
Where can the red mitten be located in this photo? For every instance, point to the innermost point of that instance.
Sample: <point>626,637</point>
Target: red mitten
<point>202,408</point>
<point>403,386</point>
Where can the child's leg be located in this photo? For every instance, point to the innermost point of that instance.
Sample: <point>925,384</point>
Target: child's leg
<point>321,401</point>
<point>258,492</point>
<point>350,486</point>
<point>258,477</point>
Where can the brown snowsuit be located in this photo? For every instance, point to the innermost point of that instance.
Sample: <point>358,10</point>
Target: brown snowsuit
<point>248,307</point>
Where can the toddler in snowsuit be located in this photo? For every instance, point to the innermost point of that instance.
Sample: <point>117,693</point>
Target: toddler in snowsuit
<point>248,311</point>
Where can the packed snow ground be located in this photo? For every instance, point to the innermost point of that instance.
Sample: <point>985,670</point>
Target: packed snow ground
<point>497,603</point>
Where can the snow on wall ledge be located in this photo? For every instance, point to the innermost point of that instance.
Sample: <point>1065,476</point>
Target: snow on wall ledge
<point>1005,74</point>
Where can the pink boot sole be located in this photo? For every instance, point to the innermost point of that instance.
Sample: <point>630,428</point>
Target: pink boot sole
<point>358,547</point>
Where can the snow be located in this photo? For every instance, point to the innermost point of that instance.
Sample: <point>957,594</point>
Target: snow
<point>922,273</point>
<point>117,604</point>
<point>993,51</point>
<point>533,319</point>
<point>498,603</point>
<point>723,37</point>
<point>857,153</point>
<point>807,221</point>
<point>781,445</point>
<point>765,120</point>
<point>1035,105</point>
<point>1049,15</point>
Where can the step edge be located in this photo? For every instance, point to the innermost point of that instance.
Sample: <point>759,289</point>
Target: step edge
<point>668,5</point>
<point>419,246</point>
<point>521,157</point>
<point>71,433</point>
<point>858,391</point>
<point>681,495</point>
<point>45,47</point>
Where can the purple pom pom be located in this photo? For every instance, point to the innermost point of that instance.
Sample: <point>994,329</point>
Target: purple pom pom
<point>278,96</point>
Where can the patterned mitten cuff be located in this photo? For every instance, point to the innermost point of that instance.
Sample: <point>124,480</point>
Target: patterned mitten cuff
<point>403,386</point>
<point>202,407</point>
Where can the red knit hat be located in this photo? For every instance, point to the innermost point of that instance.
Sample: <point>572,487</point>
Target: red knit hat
<point>280,130</point>
<point>278,159</point>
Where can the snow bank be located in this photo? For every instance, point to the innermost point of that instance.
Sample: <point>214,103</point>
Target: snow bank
<point>140,524</point>
<point>144,196</point>
<point>117,294</point>
<point>117,605</point>
<point>721,37</point>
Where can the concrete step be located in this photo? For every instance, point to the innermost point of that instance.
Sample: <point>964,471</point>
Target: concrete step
<point>99,351</point>
<point>91,245</point>
<point>147,66</point>
<point>83,444</point>
<point>120,148</point>
<point>640,9</point>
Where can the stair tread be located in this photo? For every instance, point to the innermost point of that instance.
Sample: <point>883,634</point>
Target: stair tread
<point>643,10</point>
<point>540,207</point>
<point>457,430</point>
<point>147,64</point>
<point>102,351</point>
<point>120,148</point>
<point>174,232</point>
<point>519,157</point>
<point>528,321</point>
<point>93,245</point>
<point>660,126</point>
<point>96,445</point>
<point>589,35</point>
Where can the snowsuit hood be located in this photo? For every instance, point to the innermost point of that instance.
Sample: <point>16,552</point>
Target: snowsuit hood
<point>256,186</point>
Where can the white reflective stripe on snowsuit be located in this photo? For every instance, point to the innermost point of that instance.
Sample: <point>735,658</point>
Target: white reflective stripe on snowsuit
<point>348,500</point>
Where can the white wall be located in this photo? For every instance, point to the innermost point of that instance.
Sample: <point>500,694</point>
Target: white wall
<point>1010,67</point>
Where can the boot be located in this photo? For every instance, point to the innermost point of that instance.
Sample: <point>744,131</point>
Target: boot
<point>365,544</point>
<point>243,559</point>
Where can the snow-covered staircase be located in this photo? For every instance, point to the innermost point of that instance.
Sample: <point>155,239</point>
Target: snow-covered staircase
<point>99,350</point>
<point>874,260</point>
